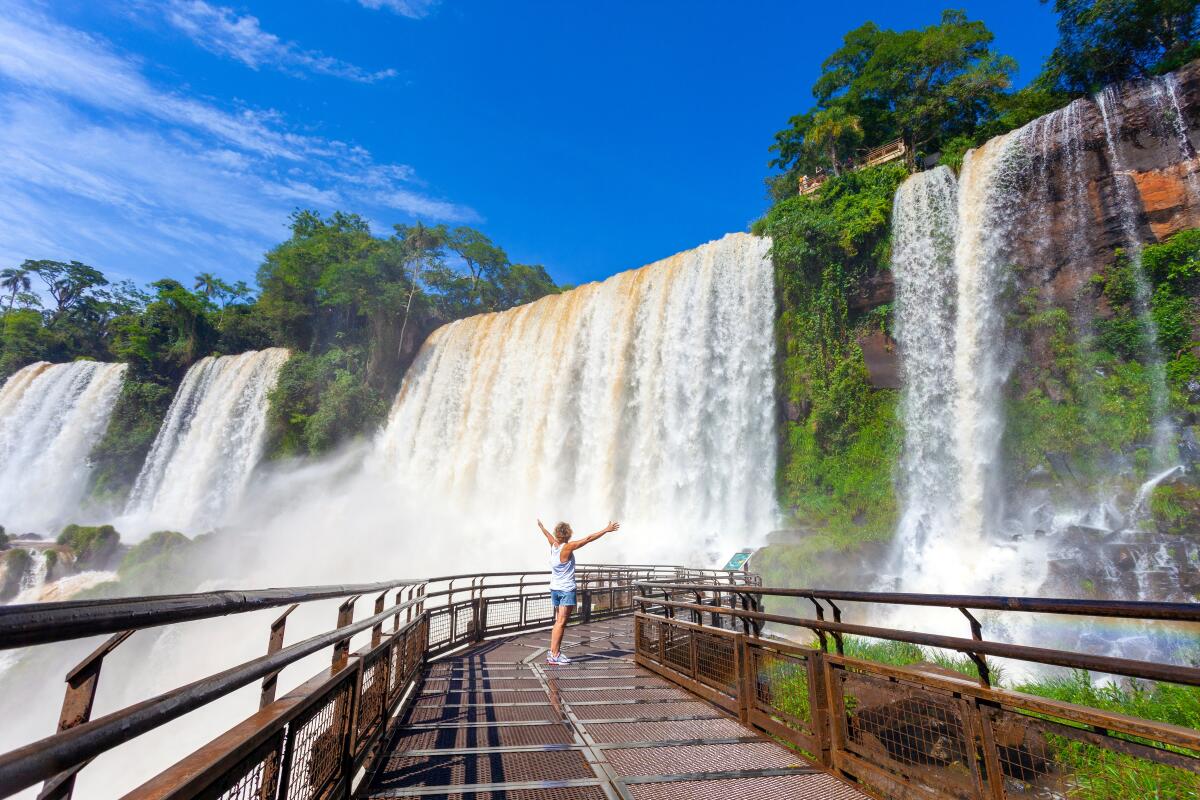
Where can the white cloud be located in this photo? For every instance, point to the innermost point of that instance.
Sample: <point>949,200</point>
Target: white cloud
<point>100,164</point>
<point>220,30</point>
<point>414,9</point>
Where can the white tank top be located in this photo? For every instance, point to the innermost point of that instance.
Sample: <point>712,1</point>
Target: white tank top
<point>562,573</point>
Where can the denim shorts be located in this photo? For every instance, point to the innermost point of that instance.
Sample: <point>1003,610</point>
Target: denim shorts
<point>558,598</point>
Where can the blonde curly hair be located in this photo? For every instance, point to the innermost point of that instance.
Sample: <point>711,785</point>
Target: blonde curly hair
<point>562,532</point>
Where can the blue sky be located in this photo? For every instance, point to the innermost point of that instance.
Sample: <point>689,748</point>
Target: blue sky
<point>168,137</point>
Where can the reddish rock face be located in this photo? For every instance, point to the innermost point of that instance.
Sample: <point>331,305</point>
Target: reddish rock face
<point>883,359</point>
<point>1072,217</point>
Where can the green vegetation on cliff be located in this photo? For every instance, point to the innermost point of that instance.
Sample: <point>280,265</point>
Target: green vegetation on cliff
<point>841,437</point>
<point>1082,404</point>
<point>95,546</point>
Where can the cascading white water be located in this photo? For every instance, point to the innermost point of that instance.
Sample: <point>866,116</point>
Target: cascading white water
<point>51,416</point>
<point>1165,453</point>
<point>209,444</point>
<point>925,223</point>
<point>987,205</point>
<point>647,397</point>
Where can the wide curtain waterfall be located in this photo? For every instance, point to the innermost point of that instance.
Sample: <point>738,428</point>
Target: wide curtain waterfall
<point>210,442</point>
<point>648,397</point>
<point>965,254</point>
<point>51,416</point>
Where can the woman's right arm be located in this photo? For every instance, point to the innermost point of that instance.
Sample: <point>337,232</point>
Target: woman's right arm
<point>546,533</point>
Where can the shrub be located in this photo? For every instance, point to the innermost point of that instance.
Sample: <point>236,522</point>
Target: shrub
<point>95,547</point>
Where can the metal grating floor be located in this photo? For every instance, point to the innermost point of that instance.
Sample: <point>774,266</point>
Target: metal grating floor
<point>495,721</point>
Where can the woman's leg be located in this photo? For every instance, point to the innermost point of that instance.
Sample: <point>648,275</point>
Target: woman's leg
<point>560,624</point>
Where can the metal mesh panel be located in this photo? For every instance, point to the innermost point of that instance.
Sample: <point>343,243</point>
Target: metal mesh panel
<point>502,613</point>
<point>647,636</point>
<point>699,758</point>
<point>612,732</point>
<point>1044,758</point>
<point>315,745</point>
<point>909,729</point>
<point>716,662</point>
<point>623,598</point>
<point>416,650</point>
<point>538,609</point>
<point>398,670</point>
<point>602,600</point>
<point>791,787</point>
<point>678,647</point>
<point>459,769</point>
<point>464,621</point>
<point>256,777</point>
<point>439,627</point>
<point>372,692</point>
<point>781,686</point>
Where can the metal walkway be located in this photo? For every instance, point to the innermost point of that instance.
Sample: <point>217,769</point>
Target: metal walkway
<point>496,721</point>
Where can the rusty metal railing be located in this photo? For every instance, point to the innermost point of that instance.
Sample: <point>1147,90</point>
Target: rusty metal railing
<point>919,731</point>
<point>311,743</point>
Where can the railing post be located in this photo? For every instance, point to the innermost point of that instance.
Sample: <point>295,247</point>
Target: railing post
<point>585,608</point>
<point>78,700</point>
<point>985,676</point>
<point>274,645</point>
<point>818,706</point>
<point>377,628</point>
<point>479,610</point>
<point>341,650</point>
<point>744,680</point>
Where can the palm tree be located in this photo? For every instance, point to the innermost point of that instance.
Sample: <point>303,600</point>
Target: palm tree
<point>207,283</point>
<point>831,128</point>
<point>14,280</point>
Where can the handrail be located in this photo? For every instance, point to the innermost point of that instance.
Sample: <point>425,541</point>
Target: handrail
<point>47,757</point>
<point>1188,676</point>
<point>1124,609</point>
<point>426,624</point>
<point>40,623</point>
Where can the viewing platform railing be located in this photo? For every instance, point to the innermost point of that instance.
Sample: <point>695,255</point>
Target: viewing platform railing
<point>315,740</point>
<point>919,731</point>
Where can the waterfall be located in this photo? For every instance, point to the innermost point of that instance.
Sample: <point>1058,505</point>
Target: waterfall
<point>925,224</point>
<point>648,397</point>
<point>1164,451</point>
<point>51,416</point>
<point>209,444</point>
<point>987,204</point>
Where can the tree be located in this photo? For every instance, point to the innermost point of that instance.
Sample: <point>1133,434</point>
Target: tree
<point>833,131</point>
<point>14,280</point>
<point>485,263</point>
<point>208,285</point>
<point>68,283</point>
<point>1105,41</point>
<point>924,85</point>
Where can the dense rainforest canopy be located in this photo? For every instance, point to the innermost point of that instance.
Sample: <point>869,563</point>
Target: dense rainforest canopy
<point>352,306</point>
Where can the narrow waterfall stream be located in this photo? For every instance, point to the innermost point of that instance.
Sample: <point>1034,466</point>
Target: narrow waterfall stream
<point>926,224</point>
<point>210,442</point>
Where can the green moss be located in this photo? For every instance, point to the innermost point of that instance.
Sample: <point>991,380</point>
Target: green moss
<point>95,547</point>
<point>1176,508</point>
